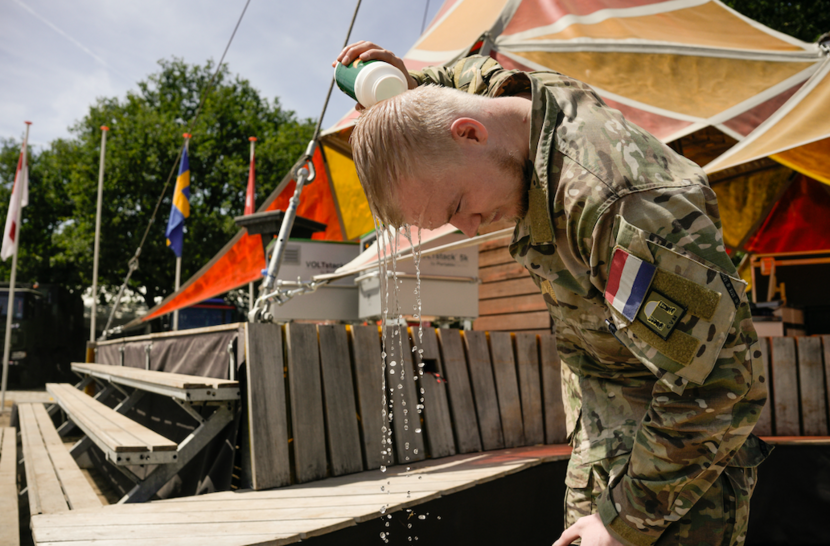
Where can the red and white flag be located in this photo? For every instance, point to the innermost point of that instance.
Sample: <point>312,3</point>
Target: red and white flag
<point>250,195</point>
<point>20,198</point>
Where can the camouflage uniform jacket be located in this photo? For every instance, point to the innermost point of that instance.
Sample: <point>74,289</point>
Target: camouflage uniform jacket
<point>677,410</point>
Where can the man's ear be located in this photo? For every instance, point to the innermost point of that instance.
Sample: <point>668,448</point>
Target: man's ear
<point>469,130</point>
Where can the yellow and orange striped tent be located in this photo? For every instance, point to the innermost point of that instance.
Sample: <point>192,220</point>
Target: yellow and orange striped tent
<point>674,67</point>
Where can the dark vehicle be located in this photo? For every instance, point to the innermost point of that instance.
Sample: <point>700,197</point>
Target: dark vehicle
<point>47,333</point>
<point>211,312</point>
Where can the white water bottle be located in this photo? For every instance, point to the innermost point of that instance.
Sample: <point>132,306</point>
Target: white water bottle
<point>370,82</point>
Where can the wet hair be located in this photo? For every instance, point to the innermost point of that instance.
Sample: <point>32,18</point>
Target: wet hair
<point>407,137</point>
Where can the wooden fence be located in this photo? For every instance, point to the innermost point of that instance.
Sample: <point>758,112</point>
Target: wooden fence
<point>315,406</point>
<point>798,369</point>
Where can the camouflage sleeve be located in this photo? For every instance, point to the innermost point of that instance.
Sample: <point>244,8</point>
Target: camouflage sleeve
<point>475,74</point>
<point>694,331</point>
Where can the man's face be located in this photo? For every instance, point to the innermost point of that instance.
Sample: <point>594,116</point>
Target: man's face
<point>469,194</point>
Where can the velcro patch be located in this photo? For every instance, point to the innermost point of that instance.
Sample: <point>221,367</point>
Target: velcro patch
<point>628,282</point>
<point>660,313</point>
<point>540,230</point>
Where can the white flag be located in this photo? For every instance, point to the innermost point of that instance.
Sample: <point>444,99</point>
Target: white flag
<point>20,198</point>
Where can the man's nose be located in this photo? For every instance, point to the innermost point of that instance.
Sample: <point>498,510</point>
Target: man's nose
<point>468,225</point>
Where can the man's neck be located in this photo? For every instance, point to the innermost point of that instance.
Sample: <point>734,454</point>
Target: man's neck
<point>511,118</point>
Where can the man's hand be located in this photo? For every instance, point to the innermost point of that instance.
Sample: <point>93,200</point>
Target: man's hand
<point>592,531</point>
<point>367,51</point>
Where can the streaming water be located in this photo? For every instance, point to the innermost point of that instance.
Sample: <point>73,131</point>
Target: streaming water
<point>393,325</point>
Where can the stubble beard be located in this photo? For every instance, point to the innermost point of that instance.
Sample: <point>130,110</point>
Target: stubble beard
<point>520,172</point>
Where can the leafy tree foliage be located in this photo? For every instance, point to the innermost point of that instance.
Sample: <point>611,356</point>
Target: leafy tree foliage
<point>803,19</point>
<point>142,145</point>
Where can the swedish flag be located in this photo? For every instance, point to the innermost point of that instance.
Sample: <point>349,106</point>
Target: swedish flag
<point>181,207</point>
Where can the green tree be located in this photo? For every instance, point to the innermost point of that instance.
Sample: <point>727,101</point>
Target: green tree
<point>142,145</point>
<point>803,19</point>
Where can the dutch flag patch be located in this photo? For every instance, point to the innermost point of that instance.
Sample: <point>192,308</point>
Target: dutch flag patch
<point>628,282</point>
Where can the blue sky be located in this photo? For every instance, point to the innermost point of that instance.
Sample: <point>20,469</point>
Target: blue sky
<point>57,57</point>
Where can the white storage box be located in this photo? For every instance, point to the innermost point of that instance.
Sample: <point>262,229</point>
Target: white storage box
<point>305,258</point>
<point>449,285</point>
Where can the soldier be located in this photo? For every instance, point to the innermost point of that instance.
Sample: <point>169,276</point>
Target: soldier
<point>663,382</point>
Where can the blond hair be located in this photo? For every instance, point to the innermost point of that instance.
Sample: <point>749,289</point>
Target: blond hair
<point>406,136</point>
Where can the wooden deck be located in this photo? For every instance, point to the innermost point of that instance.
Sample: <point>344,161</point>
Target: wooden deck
<point>289,514</point>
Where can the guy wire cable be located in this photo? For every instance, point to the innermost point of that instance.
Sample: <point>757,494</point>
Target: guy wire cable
<point>331,85</point>
<point>133,263</point>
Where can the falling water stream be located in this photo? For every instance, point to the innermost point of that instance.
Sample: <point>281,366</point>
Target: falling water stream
<point>388,246</point>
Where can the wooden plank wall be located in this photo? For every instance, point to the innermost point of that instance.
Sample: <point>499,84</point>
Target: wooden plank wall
<point>798,376</point>
<point>508,300</point>
<point>315,398</point>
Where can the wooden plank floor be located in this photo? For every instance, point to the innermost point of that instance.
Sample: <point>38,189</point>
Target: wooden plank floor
<point>289,514</point>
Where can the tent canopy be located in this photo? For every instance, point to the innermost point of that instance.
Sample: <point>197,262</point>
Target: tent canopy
<point>681,69</point>
<point>796,135</point>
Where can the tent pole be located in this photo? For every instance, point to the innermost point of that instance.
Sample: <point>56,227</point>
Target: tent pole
<point>10,307</point>
<point>94,312</point>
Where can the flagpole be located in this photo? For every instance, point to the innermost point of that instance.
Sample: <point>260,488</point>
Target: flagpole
<point>253,198</point>
<point>92,324</point>
<point>179,258</point>
<point>10,308</point>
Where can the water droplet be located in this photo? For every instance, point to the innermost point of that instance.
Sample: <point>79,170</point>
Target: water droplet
<point>406,445</point>
<point>382,509</point>
<point>383,535</point>
<point>400,386</point>
<point>409,526</point>
<point>415,451</point>
<point>393,364</point>
<point>417,431</point>
<point>382,488</point>
<point>422,517</point>
<point>383,468</point>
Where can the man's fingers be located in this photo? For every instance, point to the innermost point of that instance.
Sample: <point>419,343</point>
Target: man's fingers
<point>369,51</point>
<point>568,535</point>
<point>355,50</point>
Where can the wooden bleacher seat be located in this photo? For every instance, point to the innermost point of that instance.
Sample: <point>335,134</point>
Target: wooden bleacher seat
<point>128,444</point>
<point>178,386</point>
<point>9,534</point>
<point>124,441</point>
<point>53,480</point>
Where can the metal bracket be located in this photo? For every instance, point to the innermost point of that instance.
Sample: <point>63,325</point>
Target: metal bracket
<point>188,449</point>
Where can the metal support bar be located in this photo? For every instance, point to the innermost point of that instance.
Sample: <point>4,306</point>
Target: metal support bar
<point>80,447</point>
<point>188,449</point>
<point>305,174</point>
<point>232,360</point>
<point>188,407</point>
